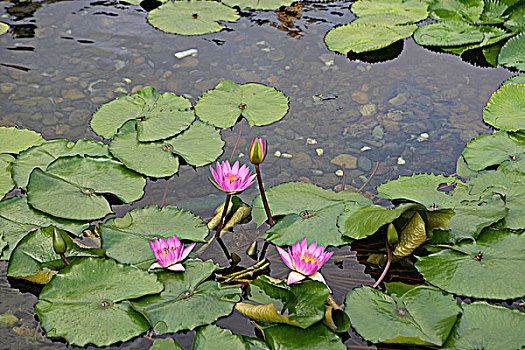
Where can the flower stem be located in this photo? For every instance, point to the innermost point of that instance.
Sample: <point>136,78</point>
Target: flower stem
<point>224,249</point>
<point>223,216</point>
<point>64,259</point>
<point>266,208</point>
<point>387,266</point>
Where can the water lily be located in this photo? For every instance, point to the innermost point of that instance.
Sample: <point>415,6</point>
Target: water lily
<point>258,150</point>
<point>170,253</point>
<point>305,261</point>
<point>231,179</point>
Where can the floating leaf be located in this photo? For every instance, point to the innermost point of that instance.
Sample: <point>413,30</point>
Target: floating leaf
<point>3,28</point>
<point>13,140</point>
<point>468,10</point>
<point>420,188</point>
<point>486,268</point>
<point>42,156</point>
<point>493,12</point>
<point>34,258</point>
<point>300,304</point>
<point>257,103</point>
<point>86,302</point>
<point>512,54</point>
<point>413,235</point>
<point>491,36</point>
<point>314,216</point>
<point>516,20</point>
<point>212,338</point>
<point>158,116</point>
<point>491,53</point>
<point>492,149</point>
<point>258,4</point>
<point>481,327</point>
<point>126,239</point>
<point>73,188</point>
<point>415,10</point>
<point>165,344</point>
<point>448,33</point>
<point>318,336</point>
<point>187,301</point>
<point>422,315</point>
<point>362,37</point>
<point>191,17</point>
<point>400,288</point>
<point>6,182</point>
<point>3,244</point>
<point>517,79</point>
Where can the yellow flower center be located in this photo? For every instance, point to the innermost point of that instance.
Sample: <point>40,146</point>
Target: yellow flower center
<point>309,259</point>
<point>232,178</point>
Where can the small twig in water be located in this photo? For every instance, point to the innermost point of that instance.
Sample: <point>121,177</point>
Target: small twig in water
<point>165,193</point>
<point>387,266</point>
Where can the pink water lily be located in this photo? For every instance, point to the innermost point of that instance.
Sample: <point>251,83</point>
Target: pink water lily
<point>258,150</point>
<point>305,261</point>
<point>170,253</point>
<point>231,179</point>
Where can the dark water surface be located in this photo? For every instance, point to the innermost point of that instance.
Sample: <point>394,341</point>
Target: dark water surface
<point>61,60</point>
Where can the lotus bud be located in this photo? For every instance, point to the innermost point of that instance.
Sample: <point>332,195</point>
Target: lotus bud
<point>59,244</point>
<point>258,150</point>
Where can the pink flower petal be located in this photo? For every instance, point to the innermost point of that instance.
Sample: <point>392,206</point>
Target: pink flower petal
<point>187,251</point>
<point>294,277</point>
<point>318,277</point>
<point>176,268</point>
<point>286,257</point>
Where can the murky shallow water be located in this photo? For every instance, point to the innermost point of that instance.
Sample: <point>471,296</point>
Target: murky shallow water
<point>61,60</point>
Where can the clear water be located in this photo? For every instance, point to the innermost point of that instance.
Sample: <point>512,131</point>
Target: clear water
<point>62,59</point>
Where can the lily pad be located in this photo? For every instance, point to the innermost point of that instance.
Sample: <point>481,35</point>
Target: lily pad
<point>258,4</point>
<point>491,36</point>
<point>420,188</point>
<point>35,260</point>
<point>318,336</point>
<point>4,27</point>
<point>6,182</point>
<point>126,239</point>
<point>421,316</point>
<point>165,344</point>
<point>512,54</point>
<point>270,301</point>
<point>87,302</point>
<point>493,149</point>
<point>448,33</point>
<point>481,327</point>
<point>362,37</point>
<point>212,338</point>
<point>42,156</point>
<point>188,300</point>
<point>257,103</point>
<point>159,116</point>
<point>516,19</point>
<point>486,268</point>
<point>517,79</point>
<point>14,141</point>
<point>191,17</point>
<point>415,10</point>
<point>464,10</point>
<point>73,187</point>
<point>493,12</point>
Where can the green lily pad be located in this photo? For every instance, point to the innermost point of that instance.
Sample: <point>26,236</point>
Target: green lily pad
<point>3,244</point>
<point>464,10</point>
<point>188,301</point>
<point>421,316</point>
<point>6,182</point>
<point>360,36</point>
<point>126,239</point>
<point>512,54</point>
<point>4,27</point>
<point>165,344</point>
<point>257,103</point>
<point>420,188</point>
<point>87,302</point>
<point>314,216</point>
<point>34,258</point>
<point>14,141</point>
<point>492,149</point>
<point>412,236</point>
<point>516,19</point>
<point>191,17</point>
<point>486,268</point>
<point>17,218</point>
<point>258,4</point>
<point>448,33</point>
<point>300,304</point>
<point>481,327</point>
<point>73,187</point>
<point>159,116</point>
<point>212,338</point>
<point>42,156</point>
<point>415,10</point>
<point>318,336</point>
<point>493,12</point>
<point>491,36</point>
<point>517,79</point>
<point>491,53</point>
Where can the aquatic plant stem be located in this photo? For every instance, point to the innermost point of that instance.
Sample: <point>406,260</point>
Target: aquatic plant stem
<point>263,196</point>
<point>165,193</point>
<point>224,249</point>
<point>387,266</point>
<point>370,178</point>
<point>236,143</point>
<point>64,259</point>
<point>223,216</point>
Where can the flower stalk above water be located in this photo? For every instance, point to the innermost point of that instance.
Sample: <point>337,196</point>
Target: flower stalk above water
<point>60,246</point>
<point>305,261</point>
<point>169,253</point>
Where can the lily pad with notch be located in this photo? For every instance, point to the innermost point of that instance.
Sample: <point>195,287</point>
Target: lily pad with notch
<point>486,268</point>
<point>126,239</point>
<point>14,140</point>
<point>88,302</point>
<point>191,17</point>
<point>493,12</point>
<point>285,337</point>
<point>189,300</point>
<point>448,33</point>
<point>421,316</point>
<point>43,155</point>
<point>74,188</point>
<point>258,4</point>
<point>458,10</point>
<point>212,337</point>
<point>259,104</point>
<point>491,36</point>
<point>516,16</point>
<point>413,10</point>
<point>506,108</point>
<point>493,149</point>
<point>159,116</point>
<point>6,181</point>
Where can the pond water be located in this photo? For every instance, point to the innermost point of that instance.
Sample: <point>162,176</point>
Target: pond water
<point>62,59</point>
